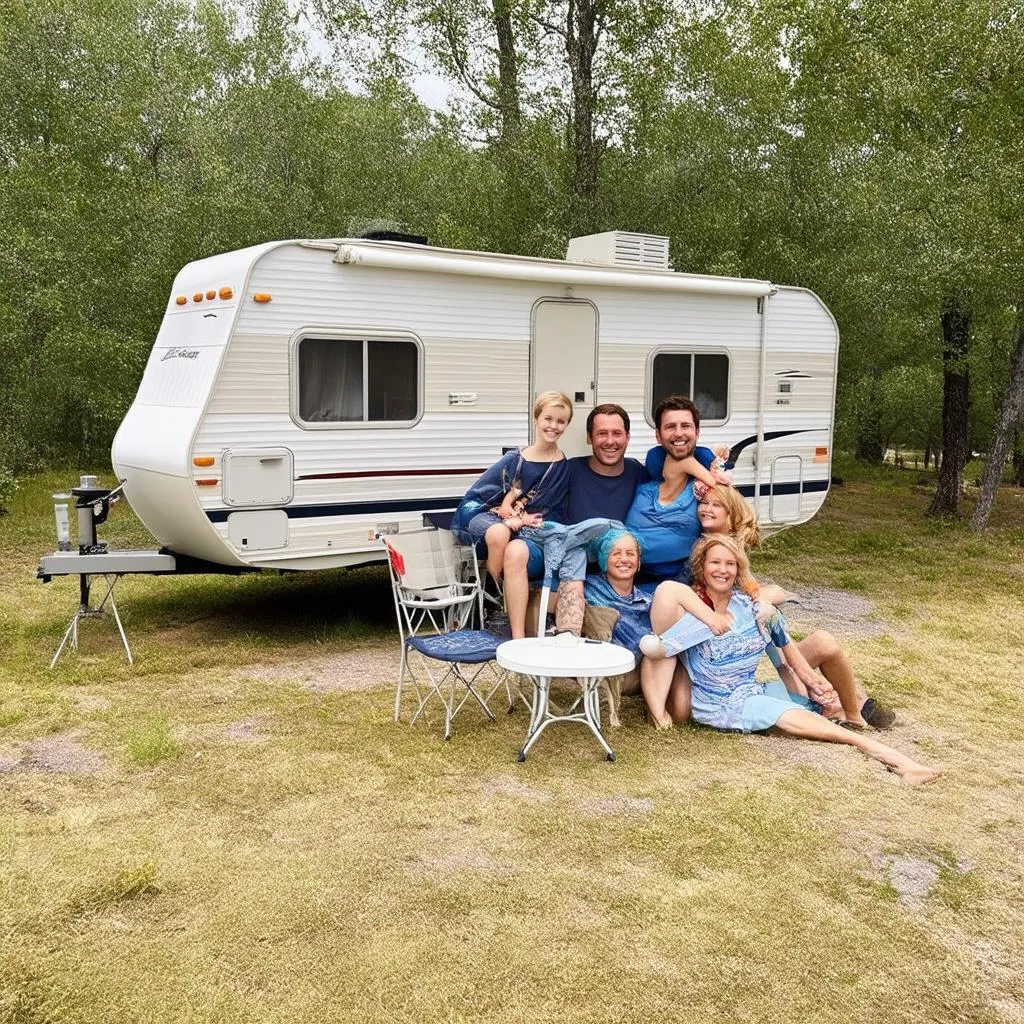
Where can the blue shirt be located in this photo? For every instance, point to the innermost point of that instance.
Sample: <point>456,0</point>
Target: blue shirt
<point>634,610</point>
<point>593,496</point>
<point>667,532</point>
<point>544,486</point>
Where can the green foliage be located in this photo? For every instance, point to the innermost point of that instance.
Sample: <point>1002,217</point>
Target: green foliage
<point>127,885</point>
<point>871,152</point>
<point>152,742</point>
<point>8,485</point>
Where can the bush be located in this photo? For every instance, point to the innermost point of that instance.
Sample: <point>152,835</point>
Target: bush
<point>8,485</point>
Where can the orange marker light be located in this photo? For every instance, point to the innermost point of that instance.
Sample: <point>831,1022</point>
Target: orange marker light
<point>211,294</point>
<point>203,460</point>
<point>226,293</point>
<point>207,483</point>
<point>182,300</point>
<point>821,454</point>
<point>261,297</point>
<point>198,297</point>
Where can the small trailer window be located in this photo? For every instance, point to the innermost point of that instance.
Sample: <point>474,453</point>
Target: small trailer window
<point>348,380</point>
<point>703,377</point>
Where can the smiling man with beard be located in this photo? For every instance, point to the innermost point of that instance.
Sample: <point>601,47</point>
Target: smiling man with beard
<point>664,512</point>
<point>602,485</point>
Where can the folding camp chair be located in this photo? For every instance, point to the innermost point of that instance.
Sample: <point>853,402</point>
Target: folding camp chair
<point>436,587</point>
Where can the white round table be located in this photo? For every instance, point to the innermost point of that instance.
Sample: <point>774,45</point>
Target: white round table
<point>543,658</point>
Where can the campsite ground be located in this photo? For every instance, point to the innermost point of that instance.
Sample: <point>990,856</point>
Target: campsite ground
<point>235,830</point>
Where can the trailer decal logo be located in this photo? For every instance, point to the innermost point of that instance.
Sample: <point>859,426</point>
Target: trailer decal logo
<point>792,374</point>
<point>180,353</point>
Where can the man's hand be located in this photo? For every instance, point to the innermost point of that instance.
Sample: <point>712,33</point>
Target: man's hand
<point>819,689</point>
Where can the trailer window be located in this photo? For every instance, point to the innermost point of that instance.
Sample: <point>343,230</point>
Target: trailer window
<point>347,380</point>
<point>702,377</point>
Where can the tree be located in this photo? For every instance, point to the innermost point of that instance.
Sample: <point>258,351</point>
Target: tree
<point>910,117</point>
<point>1011,420</point>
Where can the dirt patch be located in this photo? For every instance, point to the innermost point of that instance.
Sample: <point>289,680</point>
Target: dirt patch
<point>362,668</point>
<point>61,754</point>
<point>912,878</point>
<point>460,848</point>
<point>87,703</point>
<point>829,757</point>
<point>848,616</point>
<point>456,861</point>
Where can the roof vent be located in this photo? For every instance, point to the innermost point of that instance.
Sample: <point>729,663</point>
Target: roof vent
<point>620,249</point>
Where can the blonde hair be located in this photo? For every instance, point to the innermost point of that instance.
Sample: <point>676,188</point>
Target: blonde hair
<point>731,544</point>
<point>742,518</point>
<point>546,398</point>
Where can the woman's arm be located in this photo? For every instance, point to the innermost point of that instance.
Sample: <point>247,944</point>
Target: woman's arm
<point>678,599</point>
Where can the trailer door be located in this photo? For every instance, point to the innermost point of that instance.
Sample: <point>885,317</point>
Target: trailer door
<point>563,357</point>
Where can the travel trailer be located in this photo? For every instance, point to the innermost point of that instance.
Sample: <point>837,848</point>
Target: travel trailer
<point>303,395</point>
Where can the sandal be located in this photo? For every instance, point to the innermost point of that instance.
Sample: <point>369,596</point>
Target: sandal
<point>877,716</point>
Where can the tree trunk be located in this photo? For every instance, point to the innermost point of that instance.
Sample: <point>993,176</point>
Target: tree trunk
<point>583,30</point>
<point>869,445</point>
<point>956,334</point>
<point>1010,419</point>
<point>509,106</point>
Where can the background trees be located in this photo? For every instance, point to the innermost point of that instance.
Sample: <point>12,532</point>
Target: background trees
<point>869,150</point>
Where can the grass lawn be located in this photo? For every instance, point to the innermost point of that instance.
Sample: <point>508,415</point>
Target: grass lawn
<point>234,829</point>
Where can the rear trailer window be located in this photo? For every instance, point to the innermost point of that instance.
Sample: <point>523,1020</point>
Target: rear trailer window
<point>350,380</point>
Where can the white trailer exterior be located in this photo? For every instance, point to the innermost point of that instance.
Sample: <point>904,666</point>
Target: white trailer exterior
<point>237,451</point>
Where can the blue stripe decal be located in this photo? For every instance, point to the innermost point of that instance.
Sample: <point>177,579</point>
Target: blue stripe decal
<point>354,508</point>
<point>770,435</point>
<point>362,508</point>
<point>747,490</point>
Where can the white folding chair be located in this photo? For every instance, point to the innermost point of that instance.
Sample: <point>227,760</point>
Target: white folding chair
<point>436,586</point>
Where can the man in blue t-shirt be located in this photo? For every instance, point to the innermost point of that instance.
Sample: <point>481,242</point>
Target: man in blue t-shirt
<point>605,484</point>
<point>664,512</point>
<point>602,485</point>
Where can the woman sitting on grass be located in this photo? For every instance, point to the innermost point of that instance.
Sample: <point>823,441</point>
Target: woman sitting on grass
<point>723,511</point>
<point>725,693</point>
<point>513,498</point>
<point>618,555</point>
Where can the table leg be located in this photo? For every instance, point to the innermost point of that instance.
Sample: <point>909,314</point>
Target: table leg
<point>592,711</point>
<point>541,692</point>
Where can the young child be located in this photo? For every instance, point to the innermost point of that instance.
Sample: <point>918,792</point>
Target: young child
<point>517,494</point>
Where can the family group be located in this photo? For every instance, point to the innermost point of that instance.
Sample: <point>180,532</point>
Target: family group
<point>670,540</point>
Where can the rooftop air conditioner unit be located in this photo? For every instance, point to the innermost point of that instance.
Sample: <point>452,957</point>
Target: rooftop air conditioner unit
<point>620,249</point>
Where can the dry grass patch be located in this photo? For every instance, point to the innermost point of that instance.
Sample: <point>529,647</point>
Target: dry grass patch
<point>265,844</point>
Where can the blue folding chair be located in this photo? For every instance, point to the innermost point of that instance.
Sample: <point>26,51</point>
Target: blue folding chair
<point>436,586</point>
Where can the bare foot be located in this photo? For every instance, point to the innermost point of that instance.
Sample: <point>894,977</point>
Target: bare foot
<point>855,722</point>
<point>662,721</point>
<point>918,775</point>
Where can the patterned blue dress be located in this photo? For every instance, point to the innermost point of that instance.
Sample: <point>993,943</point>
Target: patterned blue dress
<point>725,693</point>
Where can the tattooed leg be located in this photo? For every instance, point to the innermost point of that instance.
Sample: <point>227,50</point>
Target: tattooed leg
<point>569,612</point>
